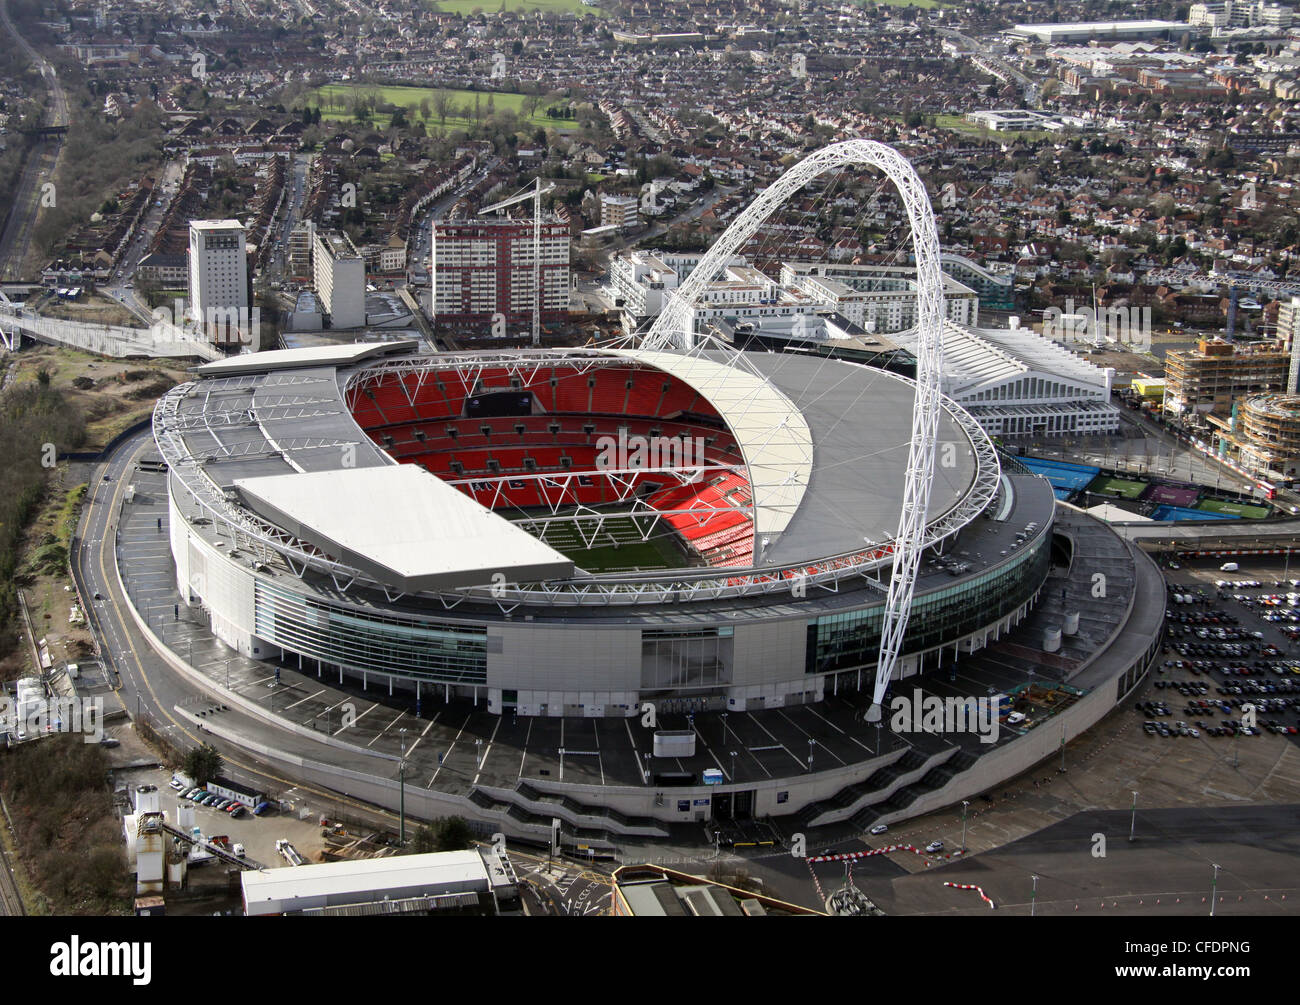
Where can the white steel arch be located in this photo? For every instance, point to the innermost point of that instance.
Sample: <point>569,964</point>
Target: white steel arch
<point>673,328</point>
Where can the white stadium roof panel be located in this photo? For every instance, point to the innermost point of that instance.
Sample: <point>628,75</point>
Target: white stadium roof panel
<point>404,526</point>
<point>297,359</point>
<point>772,433</point>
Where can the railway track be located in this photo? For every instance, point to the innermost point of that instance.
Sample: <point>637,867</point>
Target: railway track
<point>10,899</point>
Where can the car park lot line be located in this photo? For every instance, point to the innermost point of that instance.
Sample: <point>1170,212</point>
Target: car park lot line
<point>600,761</point>
<point>356,720</point>
<point>436,716</point>
<point>478,770</point>
<point>820,745</point>
<point>778,743</point>
<point>632,740</point>
<point>308,698</point>
<point>385,729</point>
<point>523,754</point>
<point>450,747</point>
<point>254,683</point>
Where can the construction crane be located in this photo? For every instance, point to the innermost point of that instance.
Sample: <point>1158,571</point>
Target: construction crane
<point>535,194</point>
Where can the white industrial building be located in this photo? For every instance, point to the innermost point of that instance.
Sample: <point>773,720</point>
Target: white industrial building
<point>467,881</point>
<point>876,298</point>
<point>1082,31</point>
<point>1015,382</point>
<point>219,294</point>
<point>340,278</point>
<point>1238,14</point>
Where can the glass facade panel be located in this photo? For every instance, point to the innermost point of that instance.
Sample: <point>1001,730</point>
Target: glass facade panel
<point>694,658</point>
<point>444,654</point>
<point>851,640</point>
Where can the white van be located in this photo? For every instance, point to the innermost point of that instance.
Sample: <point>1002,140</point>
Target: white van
<point>1229,567</point>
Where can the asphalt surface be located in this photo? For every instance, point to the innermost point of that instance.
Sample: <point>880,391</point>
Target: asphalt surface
<point>1087,865</point>
<point>142,682</point>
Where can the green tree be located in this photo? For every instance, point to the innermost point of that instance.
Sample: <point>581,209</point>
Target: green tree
<point>444,834</point>
<point>203,763</point>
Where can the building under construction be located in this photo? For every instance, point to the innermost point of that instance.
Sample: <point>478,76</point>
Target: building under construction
<point>1214,375</point>
<point>1263,435</point>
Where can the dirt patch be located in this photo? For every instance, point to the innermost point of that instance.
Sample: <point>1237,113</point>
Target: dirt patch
<point>112,395</point>
<point>91,308</point>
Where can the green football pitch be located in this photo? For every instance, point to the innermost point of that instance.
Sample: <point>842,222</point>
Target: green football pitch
<point>617,548</point>
<point>1234,509</point>
<point>1121,487</point>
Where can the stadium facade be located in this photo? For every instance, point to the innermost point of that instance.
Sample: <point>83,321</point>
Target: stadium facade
<point>452,525</point>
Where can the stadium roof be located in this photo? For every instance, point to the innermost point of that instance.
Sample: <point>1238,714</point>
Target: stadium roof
<point>860,419</point>
<point>826,442</point>
<point>297,359</point>
<point>402,525</point>
<point>772,434</point>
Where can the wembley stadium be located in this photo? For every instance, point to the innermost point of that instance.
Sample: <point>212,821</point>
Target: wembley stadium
<point>542,544</point>
<point>450,521</point>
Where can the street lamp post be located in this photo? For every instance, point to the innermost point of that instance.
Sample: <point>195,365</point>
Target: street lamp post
<point>1214,890</point>
<point>964,803</point>
<point>1132,826</point>
<point>1033,899</point>
<point>811,744</point>
<point>733,765</point>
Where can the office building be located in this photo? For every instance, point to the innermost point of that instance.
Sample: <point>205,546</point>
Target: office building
<point>219,287</point>
<point>340,276</point>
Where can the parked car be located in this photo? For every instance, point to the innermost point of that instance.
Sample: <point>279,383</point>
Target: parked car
<point>238,851</point>
<point>236,811</point>
<point>934,846</point>
<point>108,741</point>
<point>261,808</point>
<point>879,828</point>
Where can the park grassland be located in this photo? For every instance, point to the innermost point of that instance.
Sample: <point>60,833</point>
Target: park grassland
<point>335,103</point>
<point>958,123</point>
<point>465,7</point>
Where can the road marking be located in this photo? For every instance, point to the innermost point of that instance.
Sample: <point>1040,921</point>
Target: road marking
<point>308,698</point>
<point>450,748</point>
<point>349,725</point>
<point>426,729</point>
<point>483,760</point>
<point>385,729</point>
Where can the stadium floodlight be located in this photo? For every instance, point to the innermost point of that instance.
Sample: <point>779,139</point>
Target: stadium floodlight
<point>674,329</point>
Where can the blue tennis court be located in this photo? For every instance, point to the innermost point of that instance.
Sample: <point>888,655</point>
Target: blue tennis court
<point>1167,512</point>
<point>1062,474</point>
